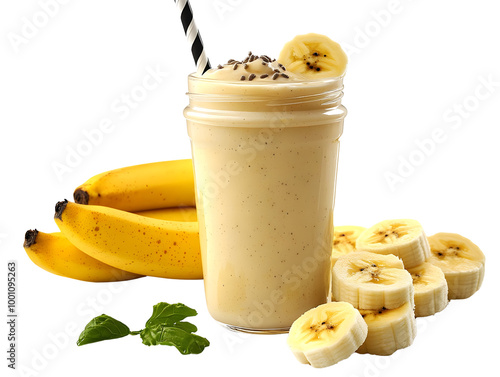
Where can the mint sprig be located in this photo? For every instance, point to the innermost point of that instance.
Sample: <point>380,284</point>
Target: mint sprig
<point>164,327</point>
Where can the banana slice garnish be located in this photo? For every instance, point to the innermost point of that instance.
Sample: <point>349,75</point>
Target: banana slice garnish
<point>327,334</point>
<point>371,281</point>
<point>461,261</point>
<point>388,330</point>
<point>344,240</point>
<point>430,289</point>
<point>404,238</point>
<point>314,55</point>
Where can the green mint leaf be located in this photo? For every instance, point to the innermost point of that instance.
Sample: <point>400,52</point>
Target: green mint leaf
<point>186,326</point>
<point>169,314</point>
<point>184,341</point>
<point>102,328</point>
<point>164,327</point>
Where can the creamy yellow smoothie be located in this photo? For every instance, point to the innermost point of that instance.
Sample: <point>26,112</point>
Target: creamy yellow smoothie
<point>265,145</point>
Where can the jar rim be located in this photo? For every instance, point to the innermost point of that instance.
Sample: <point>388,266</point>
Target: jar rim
<point>208,89</point>
<point>196,77</point>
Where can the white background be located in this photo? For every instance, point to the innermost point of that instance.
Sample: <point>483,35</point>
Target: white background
<point>417,70</point>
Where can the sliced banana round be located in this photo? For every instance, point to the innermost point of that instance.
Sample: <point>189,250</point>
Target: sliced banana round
<point>404,238</point>
<point>430,289</point>
<point>388,330</point>
<point>314,55</point>
<point>461,261</point>
<point>327,334</point>
<point>344,240</point>
<point>371,281</point>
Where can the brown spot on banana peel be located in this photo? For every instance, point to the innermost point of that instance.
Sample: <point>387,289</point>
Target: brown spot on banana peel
<point>81,196</point>
<point>60,207</point>
<point>30,238</point>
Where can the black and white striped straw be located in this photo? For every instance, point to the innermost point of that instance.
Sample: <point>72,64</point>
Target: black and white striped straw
<point>193,36</point>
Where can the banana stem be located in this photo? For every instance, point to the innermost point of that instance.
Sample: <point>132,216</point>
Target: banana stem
<point>81,196</point>
<point>30,238</point>
<point>60,207</point>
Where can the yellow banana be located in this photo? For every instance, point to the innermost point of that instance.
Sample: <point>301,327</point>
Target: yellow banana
<point>146,246</point>
<point>141,187</point>
<point>55,254</point>
<point>172,214</point>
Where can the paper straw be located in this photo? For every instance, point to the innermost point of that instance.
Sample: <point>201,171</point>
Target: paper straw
<point>193,36</point>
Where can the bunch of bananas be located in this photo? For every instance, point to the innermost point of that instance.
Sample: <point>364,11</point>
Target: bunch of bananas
<point>125,223</point>
<point>388,275</point>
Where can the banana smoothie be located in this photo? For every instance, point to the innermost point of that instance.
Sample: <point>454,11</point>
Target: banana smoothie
<point>265,144</point>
